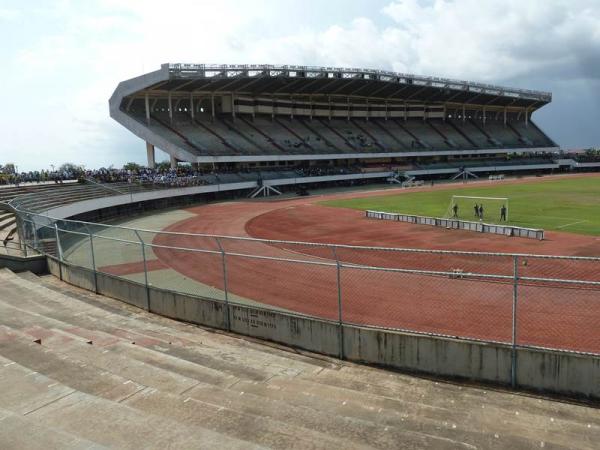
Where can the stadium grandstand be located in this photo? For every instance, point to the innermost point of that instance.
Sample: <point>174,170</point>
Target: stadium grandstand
<point>263,117</point>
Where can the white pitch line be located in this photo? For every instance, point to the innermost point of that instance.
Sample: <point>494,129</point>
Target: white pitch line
<point>569,224</point>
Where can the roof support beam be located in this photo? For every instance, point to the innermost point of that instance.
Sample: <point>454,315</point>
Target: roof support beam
<point>129,102</point>
<point>397,91</point>
<point>182,85</point>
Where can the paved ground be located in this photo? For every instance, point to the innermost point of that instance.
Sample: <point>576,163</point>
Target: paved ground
<point>83,371</point>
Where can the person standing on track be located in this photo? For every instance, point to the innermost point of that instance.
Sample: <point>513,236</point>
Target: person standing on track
<point>481,212</point>
<point>476,208</point>
<point>503,213</point>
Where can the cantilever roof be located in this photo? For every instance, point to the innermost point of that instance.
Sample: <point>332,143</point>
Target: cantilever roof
<point>301,81</point>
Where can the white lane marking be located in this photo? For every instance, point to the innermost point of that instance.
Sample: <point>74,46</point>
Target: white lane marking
<point>569,224</point>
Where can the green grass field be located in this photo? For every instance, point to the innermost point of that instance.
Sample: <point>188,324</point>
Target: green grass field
<point>571,204</point>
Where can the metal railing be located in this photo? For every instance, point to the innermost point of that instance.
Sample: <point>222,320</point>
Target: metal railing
<point>382,74</point>
<point>521,300</point>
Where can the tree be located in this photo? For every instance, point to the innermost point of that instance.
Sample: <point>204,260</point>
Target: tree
<point>163,165</point>
<point>135,167</point>
<point>70,167</point>
<point>8,169</point>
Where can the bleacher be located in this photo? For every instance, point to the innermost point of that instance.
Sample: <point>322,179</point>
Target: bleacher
<point>264,135</point>
<point>79,370</point>
<point>484,163</point>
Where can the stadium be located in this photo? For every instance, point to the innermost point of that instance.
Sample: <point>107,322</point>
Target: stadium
<point>328,213</point>
<point>251,117</point>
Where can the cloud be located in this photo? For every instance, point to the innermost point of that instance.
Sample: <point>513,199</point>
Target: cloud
<point>9,15</point>
<point>68,56</point>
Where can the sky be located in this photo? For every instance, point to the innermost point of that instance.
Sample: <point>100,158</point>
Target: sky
<point>61,60</point>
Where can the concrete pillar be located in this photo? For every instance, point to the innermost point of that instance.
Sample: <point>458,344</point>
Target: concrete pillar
<point>212,106</point>
<point>147,107</point>
<point>170,108</point>
<point>464,114</point>
<point>526,117</point>
<point>348,107</point>
<point>192,105</point>
<point>273,107</point>
<point>173,162</point>
<point>151,155</point>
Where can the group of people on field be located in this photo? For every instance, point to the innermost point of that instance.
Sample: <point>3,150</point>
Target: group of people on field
<point>479,212</point>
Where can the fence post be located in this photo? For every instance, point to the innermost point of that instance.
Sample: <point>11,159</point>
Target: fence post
<point>93,261</point>
<point>21,231</point>
<point>340,312</point>
<point>513,366</point>
<point>145,269</point>
<point>225,290</point>
<point>58,251</point>
<point>35,236</point>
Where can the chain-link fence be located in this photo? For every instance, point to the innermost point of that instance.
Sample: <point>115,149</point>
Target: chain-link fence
<point>522,300</point>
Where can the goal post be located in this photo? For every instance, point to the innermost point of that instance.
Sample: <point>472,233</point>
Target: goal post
<point>464,207</point>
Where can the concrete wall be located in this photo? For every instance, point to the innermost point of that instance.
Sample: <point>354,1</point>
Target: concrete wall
<point>310,334</point>
<point>565,373</point>
<point>196,310</point>
<point>35,264</point>
<point>547,371</point>
<point>429,354</point>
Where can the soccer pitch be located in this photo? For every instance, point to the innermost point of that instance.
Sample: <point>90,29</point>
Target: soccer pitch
<point>570,204</point>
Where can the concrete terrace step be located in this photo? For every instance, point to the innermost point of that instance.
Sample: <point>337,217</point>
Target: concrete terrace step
<point>7,222</point>
<point>114,424</point>
<point>23,432</point>
<point>253,427</point>
<point>250,359</point>
<point>60,367</point>
<point>360,405</point>
<point>442,393</point>
<point>227,402</point>
<point>204,388</point>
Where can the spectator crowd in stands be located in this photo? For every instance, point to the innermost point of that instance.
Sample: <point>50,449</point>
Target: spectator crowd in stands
<point>182,176</point>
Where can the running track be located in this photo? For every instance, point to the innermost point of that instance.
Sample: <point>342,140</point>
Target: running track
<point>548,315</point>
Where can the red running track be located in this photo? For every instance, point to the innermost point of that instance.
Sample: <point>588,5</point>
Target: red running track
<point>548,314</point>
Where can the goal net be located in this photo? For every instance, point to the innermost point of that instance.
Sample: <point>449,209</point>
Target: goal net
<point>487,209</point>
